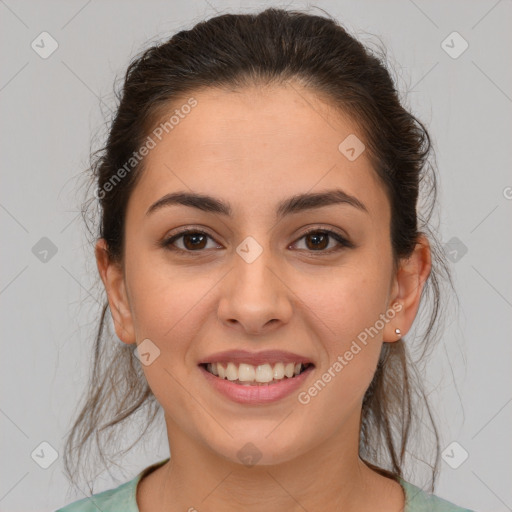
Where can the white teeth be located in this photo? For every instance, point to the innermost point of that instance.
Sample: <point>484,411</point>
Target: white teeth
<point>278,371</point>
<point>289,370</point>
<point>212,368</point>
<point>247,373</point>
<point>264,373</point>
<point>231,372</point>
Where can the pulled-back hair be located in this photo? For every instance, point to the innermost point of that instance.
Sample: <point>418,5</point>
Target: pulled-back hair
<point>273,47</point>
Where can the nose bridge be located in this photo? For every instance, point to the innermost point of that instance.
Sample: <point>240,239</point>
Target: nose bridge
<point>252,270</point>
<point>253,278</point>
<point>253,295</point>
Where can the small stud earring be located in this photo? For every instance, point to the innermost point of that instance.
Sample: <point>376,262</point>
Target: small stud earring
<point>398,332</point>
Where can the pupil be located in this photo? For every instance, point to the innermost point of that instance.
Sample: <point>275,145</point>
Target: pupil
<point>194,237</point>
<point>319,235</point>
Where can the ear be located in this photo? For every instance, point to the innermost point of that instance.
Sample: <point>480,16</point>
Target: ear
<point>407,286</point>
<point>113,280</point>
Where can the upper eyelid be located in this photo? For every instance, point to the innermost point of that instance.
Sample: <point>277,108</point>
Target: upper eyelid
<point>205,231</point>
<point>191,229</point>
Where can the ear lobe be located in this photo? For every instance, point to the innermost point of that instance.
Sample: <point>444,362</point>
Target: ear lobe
<point>111,274</point>
<point>409,282</point>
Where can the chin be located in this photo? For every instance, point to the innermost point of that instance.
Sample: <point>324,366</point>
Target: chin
<point>261,449</point>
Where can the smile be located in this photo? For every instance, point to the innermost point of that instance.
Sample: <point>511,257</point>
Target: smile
<point>250,375</point>
<point>279,380</point>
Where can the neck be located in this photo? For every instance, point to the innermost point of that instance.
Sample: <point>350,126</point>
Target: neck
<point>330,476</point>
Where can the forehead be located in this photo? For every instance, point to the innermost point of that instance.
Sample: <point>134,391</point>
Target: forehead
<point>257,145</point>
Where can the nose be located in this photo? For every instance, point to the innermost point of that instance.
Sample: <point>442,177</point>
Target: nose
<point>254,297</point>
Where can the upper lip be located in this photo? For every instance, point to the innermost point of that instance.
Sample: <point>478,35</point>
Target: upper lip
<point>255,358</point>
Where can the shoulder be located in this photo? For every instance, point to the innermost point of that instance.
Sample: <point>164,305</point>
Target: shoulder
<point>112,500</point>
<point>417,500</point>
<point>122,498</point>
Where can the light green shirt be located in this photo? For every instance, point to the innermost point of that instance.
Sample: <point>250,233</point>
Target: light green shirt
<point>123,498</point>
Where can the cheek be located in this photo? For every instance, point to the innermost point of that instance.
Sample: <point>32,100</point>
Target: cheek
<point>160,296</point>
<point>344,323</point>
<point>170,307</point>
<point>345,303</point>
<point>167,307</point>
<point>343,312</point>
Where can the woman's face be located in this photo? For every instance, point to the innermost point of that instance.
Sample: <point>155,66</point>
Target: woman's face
<point>256,282</point>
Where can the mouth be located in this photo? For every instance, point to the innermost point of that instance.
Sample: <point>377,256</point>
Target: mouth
<point>266,374</point>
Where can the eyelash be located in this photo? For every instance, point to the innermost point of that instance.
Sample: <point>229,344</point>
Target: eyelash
<point>343,242</point>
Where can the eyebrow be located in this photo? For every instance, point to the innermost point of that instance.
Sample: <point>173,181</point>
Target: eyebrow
<point>295,204</point>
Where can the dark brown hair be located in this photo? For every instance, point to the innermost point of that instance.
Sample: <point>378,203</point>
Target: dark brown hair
<point>233,51</point>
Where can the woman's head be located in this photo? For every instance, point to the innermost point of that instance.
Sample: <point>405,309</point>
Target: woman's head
<point>288,125</point>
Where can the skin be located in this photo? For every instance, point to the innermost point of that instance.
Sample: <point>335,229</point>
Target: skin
<point>253,148</point>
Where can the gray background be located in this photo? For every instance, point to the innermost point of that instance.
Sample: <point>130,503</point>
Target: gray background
<point>50,110</point>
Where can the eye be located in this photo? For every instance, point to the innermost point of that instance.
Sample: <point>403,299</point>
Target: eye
<point>195,240</point>
<point>318,239</point>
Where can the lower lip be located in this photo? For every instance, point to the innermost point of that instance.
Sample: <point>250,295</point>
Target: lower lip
<point>257,394</point>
